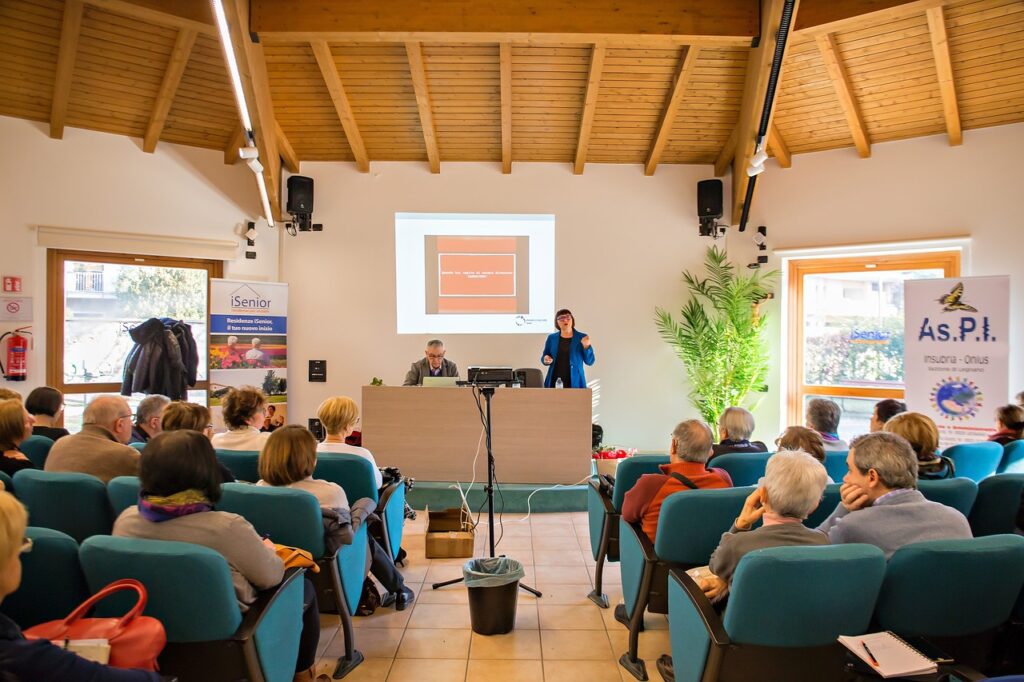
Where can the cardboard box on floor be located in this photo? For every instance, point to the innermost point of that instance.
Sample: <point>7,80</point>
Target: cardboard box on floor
<point>448,535</point>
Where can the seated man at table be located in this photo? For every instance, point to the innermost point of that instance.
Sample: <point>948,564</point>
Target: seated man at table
<point>433,364</point>
<point>880,504</point>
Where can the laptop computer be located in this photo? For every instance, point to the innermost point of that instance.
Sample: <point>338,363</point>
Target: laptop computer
<point>439,381</point>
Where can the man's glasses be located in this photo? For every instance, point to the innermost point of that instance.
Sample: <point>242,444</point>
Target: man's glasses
<point>436,357</point>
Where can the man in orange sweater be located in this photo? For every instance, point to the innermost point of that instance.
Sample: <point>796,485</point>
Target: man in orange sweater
<point>688,456</point>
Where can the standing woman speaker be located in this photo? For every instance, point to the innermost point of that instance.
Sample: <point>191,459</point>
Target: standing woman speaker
<point>565,353</point>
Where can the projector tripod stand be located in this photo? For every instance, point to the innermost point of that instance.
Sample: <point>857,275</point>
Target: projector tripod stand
<point>488,393</point>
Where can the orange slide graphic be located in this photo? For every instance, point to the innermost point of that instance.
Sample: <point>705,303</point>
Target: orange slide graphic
<point>477,274</point>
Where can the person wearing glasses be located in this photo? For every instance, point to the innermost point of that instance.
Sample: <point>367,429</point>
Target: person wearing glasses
<point>434,364</point>
<point>100,448</point>
<point>565,353</point>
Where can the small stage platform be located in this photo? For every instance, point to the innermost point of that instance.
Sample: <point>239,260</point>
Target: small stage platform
<point>442,495</point>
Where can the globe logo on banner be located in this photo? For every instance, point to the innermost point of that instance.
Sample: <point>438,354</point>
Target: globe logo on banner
<point>956,398</point>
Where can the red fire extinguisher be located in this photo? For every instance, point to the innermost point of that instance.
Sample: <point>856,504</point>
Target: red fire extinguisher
<point>17,355</point>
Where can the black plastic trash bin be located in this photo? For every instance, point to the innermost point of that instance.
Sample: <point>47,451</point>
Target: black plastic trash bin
<point>493,584</point>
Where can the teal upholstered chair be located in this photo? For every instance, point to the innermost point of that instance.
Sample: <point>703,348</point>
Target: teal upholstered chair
<point>7,481</point>
<point>293,517</point>
<point>191,593</point>
<point>999,500</point>
<point>1013,458</point>
<point>603,511</point>
<point>75,504</point>
<point>243,464</point>
<point>969,590</point>
<point>356,476</point>
<point>123,492</point>
<point>37,449</point>
<point>787,606</point>
<point>958,493</point>
<point>835,465</point>
<point>52,583</point>
<point>745,468</point>
<point>138,446</point>
<point>829,501</point>
<point>975,460</point>
<point>690,526</point>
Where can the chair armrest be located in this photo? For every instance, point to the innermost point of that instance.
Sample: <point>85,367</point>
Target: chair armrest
<point>606,501</point>
<point>264,600</point>
<point>712,621</point>
<point>387,492</point>
<point>646,546</point>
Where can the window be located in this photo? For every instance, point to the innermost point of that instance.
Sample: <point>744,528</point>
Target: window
<point>846,330</point>
<point>95,298</point>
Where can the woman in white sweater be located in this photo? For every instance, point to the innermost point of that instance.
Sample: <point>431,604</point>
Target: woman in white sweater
<point>244,410</point>
<point>340,416</point>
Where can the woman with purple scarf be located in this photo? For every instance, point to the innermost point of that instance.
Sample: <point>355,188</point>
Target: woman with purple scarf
<point>180,484</point>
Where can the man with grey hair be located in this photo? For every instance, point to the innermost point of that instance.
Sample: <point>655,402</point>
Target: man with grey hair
<point>735,427</point>
<point>148,418</point>
<point>99,448</point>
<point>433,364</point>
<point>793,485</point>
<point>880,504</point>
<point>823,416</point>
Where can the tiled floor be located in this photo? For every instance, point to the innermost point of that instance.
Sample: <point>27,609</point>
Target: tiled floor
<point>562,636</point>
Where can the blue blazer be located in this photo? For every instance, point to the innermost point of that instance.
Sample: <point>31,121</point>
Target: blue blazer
<point>578,356</point>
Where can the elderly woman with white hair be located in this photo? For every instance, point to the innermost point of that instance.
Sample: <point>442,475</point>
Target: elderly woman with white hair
<point>735,427</point>
<point>793,486</point>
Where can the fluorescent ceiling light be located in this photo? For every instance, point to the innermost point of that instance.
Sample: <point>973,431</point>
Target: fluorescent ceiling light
<point>265,199</point>
<point>229,55</point>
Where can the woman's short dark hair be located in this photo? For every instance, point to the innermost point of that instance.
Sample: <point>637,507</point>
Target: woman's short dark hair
<point>889,408</point>
<point>175,461</point>
<point>565,311</point>
<point>44,400</point>
<point>240,404</point>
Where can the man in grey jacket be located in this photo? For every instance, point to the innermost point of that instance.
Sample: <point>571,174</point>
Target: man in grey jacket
<point>433,364</point>
<point>880,504</point>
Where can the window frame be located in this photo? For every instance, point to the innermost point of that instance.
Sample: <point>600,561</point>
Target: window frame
<point>949,261</point>
<point>55,260</point>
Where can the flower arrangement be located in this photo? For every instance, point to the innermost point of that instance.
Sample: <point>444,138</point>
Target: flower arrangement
<point>612,452</point>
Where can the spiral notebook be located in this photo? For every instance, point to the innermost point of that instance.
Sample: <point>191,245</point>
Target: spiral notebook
<point>888,655</point>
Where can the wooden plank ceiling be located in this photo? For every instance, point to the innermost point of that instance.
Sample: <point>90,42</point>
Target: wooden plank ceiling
<point>147,69</point>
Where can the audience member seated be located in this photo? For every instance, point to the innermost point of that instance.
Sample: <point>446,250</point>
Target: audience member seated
<point>9,394</point>
<point>823,416</point>
<point>244,410</point>
<point>793,485</point>
<point>806,440</point>
<point>100,447</point>
<point>179,484</point>
<point>147,418</point>
<point>38,659</point>
<point>687,469</point>
<point>340,416</point>
<point>884,411</point>
<point>15,426</point>
<point>1019,399</point>
<point>734,429</point>
<point>288,459</point>
<point>1010,424</point>
<point>920,431</point>
<point>880,504</point>
<point>46,405</point>
<point>181,416</point>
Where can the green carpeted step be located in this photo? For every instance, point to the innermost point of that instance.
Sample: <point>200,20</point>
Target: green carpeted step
<point>441,495</point>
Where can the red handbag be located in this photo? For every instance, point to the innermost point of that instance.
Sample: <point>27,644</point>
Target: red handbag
<point>135,640</point>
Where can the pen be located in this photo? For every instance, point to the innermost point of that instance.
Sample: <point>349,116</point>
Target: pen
<point>874,660</point>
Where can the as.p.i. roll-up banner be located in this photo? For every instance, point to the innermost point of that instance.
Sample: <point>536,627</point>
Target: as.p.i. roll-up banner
<point>956,356</point>
<point>249,344</point>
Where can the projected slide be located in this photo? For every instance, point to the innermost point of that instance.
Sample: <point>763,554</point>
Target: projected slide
<point>474,273</point>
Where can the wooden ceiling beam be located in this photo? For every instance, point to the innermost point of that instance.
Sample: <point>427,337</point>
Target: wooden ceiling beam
<point>288,155</point>
<point>418,71</point>
<point>944,69</point>
<point>684,69</point>
<point>184,15</point>
<point>505,67</point>
<point>664,21</point>
<point>169,87</point>
<point>844,92</point>
<point>755,90</point>
<point>589,106</point>
<point>329,71</point>
<point>235,142</point>
<point>778,147</point>
<point>724,160</point>
<point>71,26</point>
<point>819,17</point>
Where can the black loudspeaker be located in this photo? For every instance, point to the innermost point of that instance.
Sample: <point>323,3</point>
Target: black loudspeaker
<point>300,195</point>
<point>709,198</point>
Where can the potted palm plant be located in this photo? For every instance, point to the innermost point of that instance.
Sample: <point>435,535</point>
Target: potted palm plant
<point>719,335</point>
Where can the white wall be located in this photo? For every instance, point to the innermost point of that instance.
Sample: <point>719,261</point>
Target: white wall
<point>622,240</point>
<point>105,182</point>
<point>913,189</point>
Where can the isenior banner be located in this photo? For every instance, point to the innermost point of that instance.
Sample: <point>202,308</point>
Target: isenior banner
<point>956,354</point>
<point>249,343</point>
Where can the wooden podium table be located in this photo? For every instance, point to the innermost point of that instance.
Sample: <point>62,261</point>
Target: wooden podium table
<point>432,433</point>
